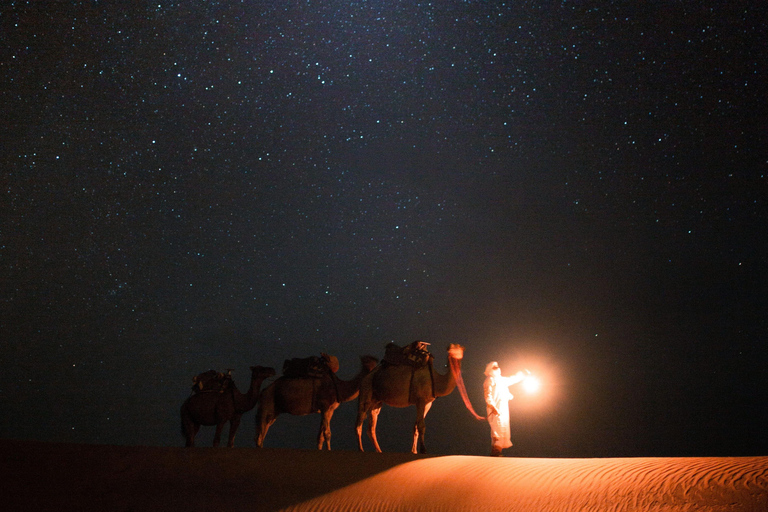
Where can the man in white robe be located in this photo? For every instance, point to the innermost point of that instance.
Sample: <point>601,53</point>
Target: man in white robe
<point>497,397</point>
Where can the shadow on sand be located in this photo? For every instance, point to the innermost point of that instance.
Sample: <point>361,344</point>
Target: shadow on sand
<point>51,476</point>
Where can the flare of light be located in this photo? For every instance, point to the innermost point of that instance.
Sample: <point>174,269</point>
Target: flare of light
<point>531,384</point>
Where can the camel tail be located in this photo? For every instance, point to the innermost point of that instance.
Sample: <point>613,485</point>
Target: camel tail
<point>456,370</point>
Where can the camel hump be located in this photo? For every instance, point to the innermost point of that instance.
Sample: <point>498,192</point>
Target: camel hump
<point>211,381</point>
<point>312,366</point>
<point>414,354</point>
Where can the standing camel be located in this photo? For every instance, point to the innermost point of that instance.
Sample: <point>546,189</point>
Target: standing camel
<point>402,385</point>
<point>215,408</point>
<point>300,396</point>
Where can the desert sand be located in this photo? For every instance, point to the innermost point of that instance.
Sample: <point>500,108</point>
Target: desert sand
<point>49,476</point>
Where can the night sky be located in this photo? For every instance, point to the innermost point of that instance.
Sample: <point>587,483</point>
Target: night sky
<point>576,188</point>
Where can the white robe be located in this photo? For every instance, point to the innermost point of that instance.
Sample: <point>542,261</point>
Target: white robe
<point>497,394</point>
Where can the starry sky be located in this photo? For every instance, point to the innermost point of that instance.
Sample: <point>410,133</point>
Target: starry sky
<point>576,188</point>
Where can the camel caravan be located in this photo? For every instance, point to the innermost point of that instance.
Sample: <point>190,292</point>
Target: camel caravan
<point>405,376</point>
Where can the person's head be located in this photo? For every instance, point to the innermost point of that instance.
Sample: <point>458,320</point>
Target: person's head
<point>492,368</point>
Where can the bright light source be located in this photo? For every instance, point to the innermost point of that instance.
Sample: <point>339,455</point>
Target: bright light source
<point>531,384</point>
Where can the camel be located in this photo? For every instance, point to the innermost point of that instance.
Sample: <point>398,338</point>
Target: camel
<point>300,396</point>
<point>403,385</point>
<point>218,408</point>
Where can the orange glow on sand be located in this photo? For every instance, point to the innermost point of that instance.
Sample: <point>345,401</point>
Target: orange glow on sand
<point>102,477</point>
<point>555,485</point>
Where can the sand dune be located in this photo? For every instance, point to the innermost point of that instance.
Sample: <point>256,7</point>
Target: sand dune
<point>45,476</point>
<point>479,483</point>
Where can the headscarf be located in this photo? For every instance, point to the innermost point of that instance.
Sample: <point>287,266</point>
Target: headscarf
<point>490,367</point>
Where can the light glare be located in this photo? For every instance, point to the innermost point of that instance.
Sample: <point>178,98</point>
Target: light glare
<point>531,384</point>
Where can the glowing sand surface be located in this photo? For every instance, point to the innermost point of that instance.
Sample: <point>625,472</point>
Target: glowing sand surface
<point>48,476</point>
<point>479,483</point>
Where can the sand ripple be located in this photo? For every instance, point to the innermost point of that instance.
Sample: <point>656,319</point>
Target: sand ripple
<point>510,484</point>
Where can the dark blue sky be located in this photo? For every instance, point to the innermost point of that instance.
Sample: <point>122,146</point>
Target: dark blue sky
<point>577,187</point>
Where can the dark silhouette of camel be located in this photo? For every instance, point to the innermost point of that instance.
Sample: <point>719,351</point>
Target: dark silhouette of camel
<point>218,408</point>
<point>308,395</point>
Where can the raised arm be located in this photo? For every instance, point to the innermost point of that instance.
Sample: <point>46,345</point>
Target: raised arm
<point>514,379</point>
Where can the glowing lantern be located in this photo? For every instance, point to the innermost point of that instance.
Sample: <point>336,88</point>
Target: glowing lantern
<point>531,384</point>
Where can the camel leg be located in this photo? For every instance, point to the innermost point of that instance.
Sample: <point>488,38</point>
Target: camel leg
<point>420,427</point>
<point>361,414</point>
<point>372,427</point>
<point>194,429</point>
<point>217,436</point>
<point>234,424</point>
<point>324,436</point>
<point>187,429</point>
<point>190,431</point>
<point>363,407</point>
<point>265,415</point>
<point>263,422</point>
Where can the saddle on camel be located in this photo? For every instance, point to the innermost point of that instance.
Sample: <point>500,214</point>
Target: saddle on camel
<point>414,354</point>
<point>312,366</point>
<point>212,381</point>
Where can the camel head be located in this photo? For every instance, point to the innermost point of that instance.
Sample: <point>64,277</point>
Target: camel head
<point>262,372</point>
<point>369,363</point>
<point>455,351</point>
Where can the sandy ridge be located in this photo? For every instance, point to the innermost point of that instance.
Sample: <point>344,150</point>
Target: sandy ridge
<point>486,484</point>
